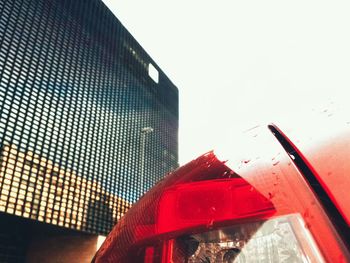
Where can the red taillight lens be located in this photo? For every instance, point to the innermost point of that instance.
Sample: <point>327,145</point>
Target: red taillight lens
<point>203,203</point>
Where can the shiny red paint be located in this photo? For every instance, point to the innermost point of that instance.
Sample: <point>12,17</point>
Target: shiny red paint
<point>327,152</point>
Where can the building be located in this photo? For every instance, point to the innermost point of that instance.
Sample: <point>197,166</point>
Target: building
<point>88,122</point>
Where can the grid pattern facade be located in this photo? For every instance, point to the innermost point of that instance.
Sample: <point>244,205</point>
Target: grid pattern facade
<point>75,102</point>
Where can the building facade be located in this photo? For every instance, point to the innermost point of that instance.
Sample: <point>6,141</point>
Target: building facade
<point>88,121</point>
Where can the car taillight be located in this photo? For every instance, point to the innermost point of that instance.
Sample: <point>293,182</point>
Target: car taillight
<point>243,226</point>
<point>205,212</point>
<point>246,228</point>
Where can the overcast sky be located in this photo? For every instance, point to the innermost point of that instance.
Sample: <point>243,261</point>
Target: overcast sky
<point>242,63</point>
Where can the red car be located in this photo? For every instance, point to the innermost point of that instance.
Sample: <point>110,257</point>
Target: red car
<point>285,200</point>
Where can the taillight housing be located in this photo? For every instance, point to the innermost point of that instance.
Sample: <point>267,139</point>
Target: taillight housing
<point>206,212</point>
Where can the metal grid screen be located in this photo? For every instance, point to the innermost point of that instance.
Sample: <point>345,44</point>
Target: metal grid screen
<point>84,129</point>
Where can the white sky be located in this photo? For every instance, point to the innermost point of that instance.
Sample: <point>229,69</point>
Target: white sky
<point>242,63</point>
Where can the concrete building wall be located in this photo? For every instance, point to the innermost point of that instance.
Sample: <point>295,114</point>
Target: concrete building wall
<point>62,248</point>
<point>25,240</point>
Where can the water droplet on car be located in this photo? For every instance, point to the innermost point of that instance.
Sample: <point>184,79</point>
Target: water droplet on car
<point>275,163</point>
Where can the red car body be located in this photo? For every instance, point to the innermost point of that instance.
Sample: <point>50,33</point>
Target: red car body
<point>296,178</point>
